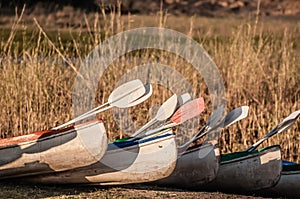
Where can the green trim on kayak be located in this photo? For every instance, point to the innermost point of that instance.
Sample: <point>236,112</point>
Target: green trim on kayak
<point>121,140</point>
<point>235,155</point>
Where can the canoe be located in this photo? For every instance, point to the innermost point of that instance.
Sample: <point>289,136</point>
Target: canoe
<point>289,183</point>
<point>197,166</point>
<point>52,150</point>
<point>124,162</point>
<point>248,171</point>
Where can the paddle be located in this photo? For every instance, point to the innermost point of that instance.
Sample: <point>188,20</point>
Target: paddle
<point>163,113</point>
<point>184,113</point>
<point>236,115</point>
<point>149,91</point>
<point>212,121</point>
<point>121,97</point>
<point>122,93</point>
<point>184,98</point>
<point>282,126</point>
<point>212,124</point>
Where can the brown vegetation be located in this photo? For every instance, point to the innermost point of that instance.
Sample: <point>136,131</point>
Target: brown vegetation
<point>259,66</point>
<point>259,62</point>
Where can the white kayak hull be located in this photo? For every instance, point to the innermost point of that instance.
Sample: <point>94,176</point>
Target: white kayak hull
<point>52,151</point>
<point>142,161</point>
<point>254,171</point>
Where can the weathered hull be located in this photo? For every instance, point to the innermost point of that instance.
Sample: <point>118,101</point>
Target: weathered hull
<point>289,183</point>
<point>248,171</point>
<point>52,151</point>
<point>194,168</point>
<point>124,163</point>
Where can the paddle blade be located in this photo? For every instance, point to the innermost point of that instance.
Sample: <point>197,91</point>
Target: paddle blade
<point>288,121</point>
<point>184,98</point>
<point>215,117</point>
<point>149,91</point>
<point>167,108</point>
<point>188,111</point>
<point>211,123</point>
<point>163,113</point>
<point>236,115</point>
<point>127,93</point>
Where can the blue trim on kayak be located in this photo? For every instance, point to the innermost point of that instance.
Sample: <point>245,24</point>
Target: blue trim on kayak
<point>128,143</point>
<point>288,163</point>
<point>290,166</point>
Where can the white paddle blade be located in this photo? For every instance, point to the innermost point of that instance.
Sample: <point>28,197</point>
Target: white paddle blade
<point>236,115</point>
<point>184,113</point>
<point>184,98</point>
<point>163,113</point>
<point>120,97</point>
<point>149,91</point>
<point>167,108</point>
<point>288,121</point>
<point>148,88</point>
<point>292,116</point>
<point>117,94</point>
<point>126,93</point>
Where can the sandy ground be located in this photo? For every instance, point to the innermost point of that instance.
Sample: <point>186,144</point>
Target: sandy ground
<point>13,190</point>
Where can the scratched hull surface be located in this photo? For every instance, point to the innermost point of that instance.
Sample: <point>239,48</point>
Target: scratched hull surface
<point>52,151</point>
<point>124,163</point>
<point>197,166</point>
<point>244,171</point>
<point>289,183</point>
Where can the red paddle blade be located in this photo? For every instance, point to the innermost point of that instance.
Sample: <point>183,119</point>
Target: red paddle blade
<point>188,111</point>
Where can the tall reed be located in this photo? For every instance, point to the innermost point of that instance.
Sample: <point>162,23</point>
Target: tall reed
<point>260,69</point>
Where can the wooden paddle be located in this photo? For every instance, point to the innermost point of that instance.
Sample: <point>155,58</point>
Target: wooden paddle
<point>214,123</point>
<point>164,112</point>
<point>121,97</point>
<point>282,126</point>
<point>184,113</point>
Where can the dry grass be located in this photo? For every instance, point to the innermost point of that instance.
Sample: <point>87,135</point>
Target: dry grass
<point>259,63</point>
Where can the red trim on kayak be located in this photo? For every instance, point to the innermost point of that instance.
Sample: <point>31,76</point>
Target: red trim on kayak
<point>39,134</point>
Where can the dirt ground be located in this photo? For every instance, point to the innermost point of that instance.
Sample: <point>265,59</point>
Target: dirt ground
<point>13,190</point>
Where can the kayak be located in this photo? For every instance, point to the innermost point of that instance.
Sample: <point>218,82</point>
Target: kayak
<point>52,150</point>
<point>289,183</point>
<point>248,171</point>
<point>195,167</point>
<point>125,162</point>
